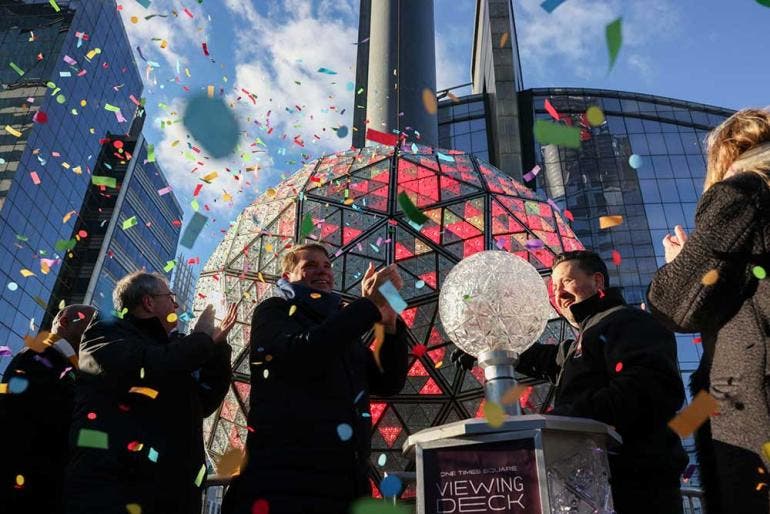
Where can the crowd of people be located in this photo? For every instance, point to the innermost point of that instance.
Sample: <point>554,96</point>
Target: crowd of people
<point>107,416</point>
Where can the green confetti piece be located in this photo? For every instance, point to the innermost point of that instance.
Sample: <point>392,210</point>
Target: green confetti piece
<point>372,506</point>
<point>150,153</point>
<point>195,205</point>
<point>63,245</point>
<point>169,266</point>
<point>759,271</point>
<point>201,475</point>
<point>306,227</point>
<point>412,212</point>
<point>92,439</point>
<point>104,181</point>
<point>111,108</point>
<point>130,222</point>
<point>54,5</point>
<point>766,3</point>
<point>547,133</point>
<point>16,69</point>
<point>614,39</point>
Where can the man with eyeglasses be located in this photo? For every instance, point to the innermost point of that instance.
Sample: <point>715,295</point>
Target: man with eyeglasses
<point>140,399</point>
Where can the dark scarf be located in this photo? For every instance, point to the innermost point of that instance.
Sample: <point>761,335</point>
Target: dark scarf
<point>318,304</point>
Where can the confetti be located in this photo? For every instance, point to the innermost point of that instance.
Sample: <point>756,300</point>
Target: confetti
<point>550,5</point>
<point>610,221</point>
<point>327,71</point>
<point>307,226</point>
<point>766,450</point>
<point>372,506</point>
<point>26,273</point>
<point>201,475</point>
<point>710,278</point>
<point>616,259</point>
<point>494,414</point>
<point>92,439</point>
<point>429,101</point>
<point>342,131</point>
<point>5,351</point>
<point>16,69</point>
<point>512,395</point>
<point>260,506</point>
<point>12,131</point>
<point>344,431</point>
<point>144,3</point>
<point>595,116</point>
<point>390,486</point>
<point>35,177</point>
<point>212,123</point>
<point>17,385</point>
<point>389,291</point>
<point>548,133</point>
<point>292,310</point>
<point>229,463</point>
<point>530,175</point>
<point>411,211</point>
<point>551,110</point>
<point>379,339</point>
<point>129,222</point>
<point>534,244</point>
<point>419,284</point>
<point>193,230</point>
<point>169,266</point>
<point>614,33</point>
<point>694,415</point>
<point>635,161</point>
<point>152,454</point>
<point>503,40</point>
<point>134,508</point>
<point>618,367</point>
<point>20,480</point>
<point>381,137</point>
<point>135,446</point>
<point>146,391</point>
<point>104,181</point>
<point>759,272</point>
<point>40,118</point>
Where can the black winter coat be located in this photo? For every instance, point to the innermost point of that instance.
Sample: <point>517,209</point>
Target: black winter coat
<point>35,431</point>
<point>732,311</point>
<point>311,375</point>
<point>623,372</point>
<point>155,446</point>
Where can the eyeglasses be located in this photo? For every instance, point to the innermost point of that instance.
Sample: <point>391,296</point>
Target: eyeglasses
<point>169,294</point>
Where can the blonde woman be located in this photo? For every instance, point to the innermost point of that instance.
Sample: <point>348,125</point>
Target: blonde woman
<point>714,283</point>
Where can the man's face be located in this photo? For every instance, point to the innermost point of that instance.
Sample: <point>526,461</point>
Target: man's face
<point>162,303</point>
<point>313,270</point>
<point>572,285</point>
<point>73,323</point>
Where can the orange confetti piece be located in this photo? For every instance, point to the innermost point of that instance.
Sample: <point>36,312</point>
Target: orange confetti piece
<point>67,216</point>
<point>504,39</point>
<point>694,415</point>
<point>379,338</point>
<point>429,101</point>
<point>512,395</point>
<point>26,273</point>
<point>260,277</point>
<point>710,278</point>
<point>41,341</point>
<point>146,391</point>
<point>229,464</point>
<point>3,388</point>
<point>610,221</point>
<point>315,296</point>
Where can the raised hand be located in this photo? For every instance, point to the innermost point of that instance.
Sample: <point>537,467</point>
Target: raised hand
<point>220,333</point>
<point>672,244</point>
<point>205,322</point>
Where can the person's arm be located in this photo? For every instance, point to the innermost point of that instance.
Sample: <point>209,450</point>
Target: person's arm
<point>394,358</point>
<point>720,246</point>
<point>644,388</point>
<point>540,360</point>
<point>106,349</point>
<point>275,332</point>
<point>214,379</point>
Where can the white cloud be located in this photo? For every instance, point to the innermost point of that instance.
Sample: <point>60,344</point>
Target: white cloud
<point>571,39</point>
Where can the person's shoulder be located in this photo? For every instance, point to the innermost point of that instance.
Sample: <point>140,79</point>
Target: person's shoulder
<point>271,304</point>
<point>745,185</point>
<point>633,318</point>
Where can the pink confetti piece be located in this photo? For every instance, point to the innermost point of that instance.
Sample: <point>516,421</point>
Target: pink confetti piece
<point>166,190</point>
<point>35,178</point>
<point>69,60</point>
<point>530,175</point>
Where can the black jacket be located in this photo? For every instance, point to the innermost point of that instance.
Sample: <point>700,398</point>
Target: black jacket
<point>623,372</point>
<point>731,242</point>
<point>35,430</point>
<point>311,374</point>
<point>155,446</point>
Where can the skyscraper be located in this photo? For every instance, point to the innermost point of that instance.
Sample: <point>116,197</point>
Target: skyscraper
<point>67,78</point>
<point>183,285</point>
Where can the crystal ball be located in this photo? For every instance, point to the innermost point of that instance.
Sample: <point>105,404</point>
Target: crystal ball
<point>494,300</point>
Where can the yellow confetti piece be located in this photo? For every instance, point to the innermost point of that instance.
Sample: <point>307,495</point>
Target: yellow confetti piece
<point>134,508</point>
<point>12,131</point>
<point>260,277</point>
<point>429,101</point>
<point>201,475</point>
<point>494,414</point>
<point>315,296</point>
<point>439,364</point>
<point>503,39</point>
<point>164,44</point>
<point>3,388</point>
<point>610,221</point>
<point>211,91</point>
<point>348,201</point>
<point>270,192</point>
<point>292,310</point>
<point>761,486</point>
<point>229,464</point>
<point>766,451</point>
<point>20,480</point>
<point>172,317</point>
<point>595,116</point>
<point>512,395</point>
<point>209,177</point>
<point>26,273</point>
<point>146,391</point>
<point>694,415</point>
<point>67,216</point>
<point>710,278</point>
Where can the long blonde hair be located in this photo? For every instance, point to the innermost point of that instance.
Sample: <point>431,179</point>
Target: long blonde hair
<point>741,132</point>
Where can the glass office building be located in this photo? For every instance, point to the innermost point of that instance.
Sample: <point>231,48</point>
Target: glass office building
<point>183,285</point>
<point>75,67</point>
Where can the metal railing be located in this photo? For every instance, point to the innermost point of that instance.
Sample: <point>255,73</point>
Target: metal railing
<point>215,486</point>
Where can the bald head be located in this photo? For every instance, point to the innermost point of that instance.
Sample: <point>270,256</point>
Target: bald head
<point>71,322</point>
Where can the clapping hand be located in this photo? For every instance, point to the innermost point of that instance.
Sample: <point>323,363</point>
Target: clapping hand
<point>370,288</point>
<point>672,245</point>
<point>206,322</point>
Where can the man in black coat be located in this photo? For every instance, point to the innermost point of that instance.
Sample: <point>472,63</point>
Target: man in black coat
<point>621,370</point>
<point>36,414</point>
<point>140,399</point>
<point>311,375</point>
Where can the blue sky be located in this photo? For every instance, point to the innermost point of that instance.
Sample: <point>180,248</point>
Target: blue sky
<point>264,57</point>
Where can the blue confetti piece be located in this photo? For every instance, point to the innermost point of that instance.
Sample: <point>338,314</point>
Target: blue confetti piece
<point>382,459</point>
<point>350,86</point>
<point>414,148</point>
<point>342,131</point>
<point>443,157</point>
<point>327,71</point>
<point>153,454</point>
<point>389,291</point>
<point>550,5</point>
<point>144,3</point>
<point>359,396</point>
<point>17,385</point>
<point>344,431</point>
<point>390,486</point>
<point>212,123</point>
<point>193,230</point>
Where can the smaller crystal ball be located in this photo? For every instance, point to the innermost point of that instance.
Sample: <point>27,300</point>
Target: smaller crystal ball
<point>494,300</point>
